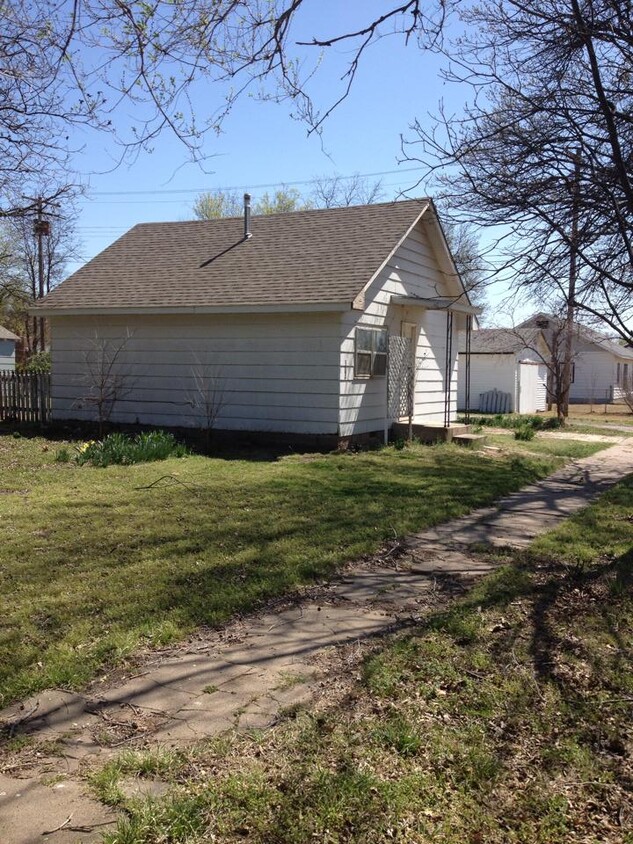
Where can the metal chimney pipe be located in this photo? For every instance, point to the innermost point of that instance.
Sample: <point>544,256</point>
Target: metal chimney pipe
<point>247,216</point>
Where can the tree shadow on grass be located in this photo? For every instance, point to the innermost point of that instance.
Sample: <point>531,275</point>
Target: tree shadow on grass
<point>131,559</point>
<point>563,602</point>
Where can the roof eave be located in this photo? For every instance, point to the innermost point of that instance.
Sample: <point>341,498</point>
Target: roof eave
<point>158,310</point>
<point>440,304</point>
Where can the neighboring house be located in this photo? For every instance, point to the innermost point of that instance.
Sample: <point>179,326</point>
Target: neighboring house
<point>8,342</point>
<point>509,362</point>
<point>282,323</point>
<point>600,366</point>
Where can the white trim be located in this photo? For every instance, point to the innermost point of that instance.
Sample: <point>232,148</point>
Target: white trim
<point>359,301</point>
<point>311,307</point>
<point>439,304</point>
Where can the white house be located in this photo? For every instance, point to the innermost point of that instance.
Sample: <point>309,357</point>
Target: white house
<point>600,366</point>
<point>7,349</point>
<point>279,324</point>
<point>509,362</point>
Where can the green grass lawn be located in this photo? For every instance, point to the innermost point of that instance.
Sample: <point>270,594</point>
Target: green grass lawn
<point>560,447</point>
<point>505,719</point>
<point>577,422</point>
<point>95,562</point>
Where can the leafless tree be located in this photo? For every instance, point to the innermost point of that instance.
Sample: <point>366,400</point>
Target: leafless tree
<point>464,245</point>
<point>559,359</point>
<point>543,153</point>
<point>20,281</point>
<point>93,63</point>
<point>105,379</point>
<point>341,192</point>
<point>207,397</point>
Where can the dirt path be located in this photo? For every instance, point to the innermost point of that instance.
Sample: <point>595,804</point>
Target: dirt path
<point>245,674</point>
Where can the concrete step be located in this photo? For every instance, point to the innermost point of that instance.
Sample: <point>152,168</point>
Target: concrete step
<point>430,432</point>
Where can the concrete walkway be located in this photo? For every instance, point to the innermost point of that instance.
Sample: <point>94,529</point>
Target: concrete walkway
<point>245,674</point>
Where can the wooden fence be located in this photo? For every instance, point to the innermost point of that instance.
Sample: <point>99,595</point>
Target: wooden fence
<point>25,397</point>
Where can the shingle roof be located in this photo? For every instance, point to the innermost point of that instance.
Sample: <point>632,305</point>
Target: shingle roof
<point>303,257</point>
<point>5,334</point>
<point>584,332</point>
<point>503,341</point>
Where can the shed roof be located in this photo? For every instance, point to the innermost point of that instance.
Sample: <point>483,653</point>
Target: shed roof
<point>504,341</point>
<point>297,258</point>
<point>5,334</point>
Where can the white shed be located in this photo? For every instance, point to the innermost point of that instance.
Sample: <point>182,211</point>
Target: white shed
<point>7,349</point>
<point>512,364</point>
<point>280,324</point>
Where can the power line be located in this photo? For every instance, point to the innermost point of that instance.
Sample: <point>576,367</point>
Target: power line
<point>165,191</point>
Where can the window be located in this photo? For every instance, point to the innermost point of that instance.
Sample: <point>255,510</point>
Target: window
<point>370,352</point>
<point>618,376</point>
<point>625,376</point>
<point>573,373</point>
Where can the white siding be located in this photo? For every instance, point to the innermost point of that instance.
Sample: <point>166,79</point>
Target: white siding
<point>487,372</point>
<point>7,355</point>
<point>276,373</point>
<point>412,271</point>
<point>594,377</point>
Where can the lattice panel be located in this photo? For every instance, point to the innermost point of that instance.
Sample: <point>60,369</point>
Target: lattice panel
<point>400,381</point>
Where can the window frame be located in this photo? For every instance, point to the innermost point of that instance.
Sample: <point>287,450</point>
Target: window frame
<point>375,351</point>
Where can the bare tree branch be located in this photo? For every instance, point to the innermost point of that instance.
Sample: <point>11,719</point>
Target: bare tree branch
<point>549,82</point>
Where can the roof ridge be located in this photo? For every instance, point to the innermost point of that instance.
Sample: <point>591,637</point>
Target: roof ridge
<point>340,208</point>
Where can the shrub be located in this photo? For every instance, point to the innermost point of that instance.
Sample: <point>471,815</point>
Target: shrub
<point>124,450</point>
<point>524,432</point>
<point>39,362</point>
<point>535,422</point>
<point>63,455</point>
<point>514,420</point>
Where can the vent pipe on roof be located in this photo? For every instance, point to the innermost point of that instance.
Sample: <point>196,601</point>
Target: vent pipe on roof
<point>247,216</point>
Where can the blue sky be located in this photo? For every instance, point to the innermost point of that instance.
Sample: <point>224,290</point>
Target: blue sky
<point>262,145</point>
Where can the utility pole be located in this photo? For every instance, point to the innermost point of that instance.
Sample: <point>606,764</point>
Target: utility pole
<point>41,229</point>
<point>571,290</point>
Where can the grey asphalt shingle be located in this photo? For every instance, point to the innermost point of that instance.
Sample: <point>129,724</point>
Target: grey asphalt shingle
<point>303,257</point>
<point>502,341</point>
